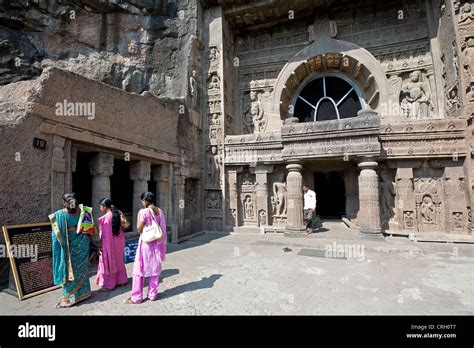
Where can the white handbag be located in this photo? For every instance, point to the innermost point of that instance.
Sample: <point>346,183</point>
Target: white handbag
<point>152,232</point>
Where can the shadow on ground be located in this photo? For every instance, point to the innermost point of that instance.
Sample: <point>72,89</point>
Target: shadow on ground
<point>195,242</point>
<point>100,296</point>
<point>204,283</point>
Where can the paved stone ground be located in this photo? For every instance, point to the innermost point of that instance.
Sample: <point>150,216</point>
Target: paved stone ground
<point>252,274</point>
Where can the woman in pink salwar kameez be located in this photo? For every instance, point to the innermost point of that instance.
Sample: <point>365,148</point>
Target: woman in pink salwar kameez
<point>149,256</point>
<point>111,271</point>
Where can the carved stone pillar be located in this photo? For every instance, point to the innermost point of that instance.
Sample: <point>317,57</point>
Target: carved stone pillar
<point>261,179</point>
<point>369,201</point>
<point>160,176</point>
<point>404,200</point>
<point>294,182</point>
<point>101,167</point>
<point>352,193</point>
<point>233,218</point>
<point>140,174</point>
<point>58,170</point>
<point>178,181</point>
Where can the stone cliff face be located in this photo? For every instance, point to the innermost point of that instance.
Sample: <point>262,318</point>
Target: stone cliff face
<point>134,45</point>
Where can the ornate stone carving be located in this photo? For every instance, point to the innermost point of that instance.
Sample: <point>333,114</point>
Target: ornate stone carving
<point>191,204</point>
<point>466,14</point>
<point>452,99</point>
<point>213,201</point>
<point>455,60</point>
<point>458,220</point>
<point>214,53</point>
<point>279,199</point>
<point>192,83</point>
<point>428,203</point>
<point>213,166</point>
<point>415,98</point>
<point>103,165</point>
<point>427,210</point>
<point>249,208</point>
<point>140,171</point>
<point>409,219</point>
<point>369,198</point>
<point>214,82</point>
<point>262,217</point>
<point>468,58</point>
<point>253,116</point>
<point>233,217</point>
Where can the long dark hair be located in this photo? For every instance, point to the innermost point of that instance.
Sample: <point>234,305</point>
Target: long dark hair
<point>148,197</point>
<point>116,220</point>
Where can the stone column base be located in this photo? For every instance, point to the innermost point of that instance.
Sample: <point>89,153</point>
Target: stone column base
<point>371,230</point>
<point>376,236</point>
<point>291,231</point>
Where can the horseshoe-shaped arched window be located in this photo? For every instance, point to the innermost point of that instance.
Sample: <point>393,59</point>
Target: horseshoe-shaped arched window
<point>327,97</point>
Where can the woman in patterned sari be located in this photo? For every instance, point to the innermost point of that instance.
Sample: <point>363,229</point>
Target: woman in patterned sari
<point>70,253</point>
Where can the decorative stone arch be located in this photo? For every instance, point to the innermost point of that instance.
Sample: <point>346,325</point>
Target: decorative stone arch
<point>327,55</point>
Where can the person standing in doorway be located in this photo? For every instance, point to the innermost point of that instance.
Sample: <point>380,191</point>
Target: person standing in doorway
<point>150,255</point>
<point>309,208</point>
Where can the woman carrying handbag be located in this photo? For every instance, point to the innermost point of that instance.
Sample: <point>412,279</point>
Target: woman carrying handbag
<point>151,250</point>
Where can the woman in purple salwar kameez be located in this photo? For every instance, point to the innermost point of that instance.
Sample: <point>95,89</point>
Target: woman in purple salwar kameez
<point>111,271</point>
<point>149,256</point>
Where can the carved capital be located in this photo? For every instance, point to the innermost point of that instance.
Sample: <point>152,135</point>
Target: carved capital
<point>140,171</point>
<point>160,173</point>
<point>101,164</point>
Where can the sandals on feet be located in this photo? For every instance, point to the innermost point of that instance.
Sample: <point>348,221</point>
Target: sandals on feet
<point>63,304</point>
<point>129,301</point>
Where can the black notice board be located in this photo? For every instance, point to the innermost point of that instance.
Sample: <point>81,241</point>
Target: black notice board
<point>31,258</point>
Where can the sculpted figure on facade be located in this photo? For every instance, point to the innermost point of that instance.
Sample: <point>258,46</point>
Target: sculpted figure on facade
<point>248,208</point>
<point>215,120</point>
<point>214,167</point>
<point>254,121</point>
<point>452,100</point>
<point>213,202</point>
<point>191,199</point>
<point>470,92</point>
<point>408,219</point>
<point>415,98</point>
<point>213,54</point>
<point>455,60</point>
<point>468,55</point>
<point>233,217</point>
<point>458,219</point>
<point>247,179</point>
<point>274,205</point>
<point>262,217</point>
<point>427,210</point>
<point>192,83</point>
<point>279,198</point>
<point>214,83</point>
<point>466,15</point>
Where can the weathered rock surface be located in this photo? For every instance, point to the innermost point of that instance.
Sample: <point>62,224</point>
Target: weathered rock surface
<point>136,45</point>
